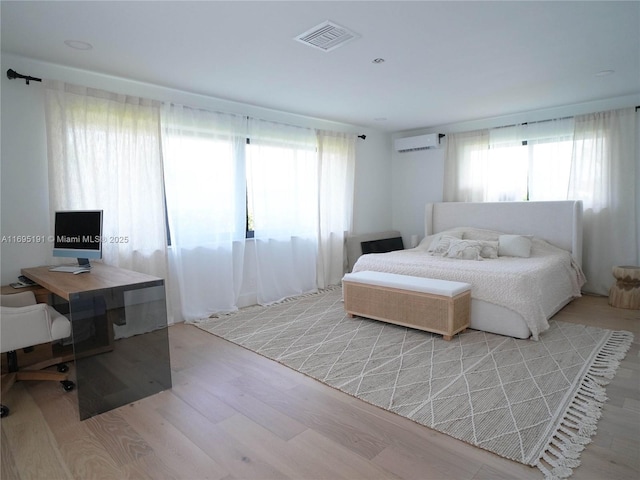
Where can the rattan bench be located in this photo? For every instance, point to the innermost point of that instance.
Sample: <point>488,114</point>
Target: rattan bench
<point>438,306</point>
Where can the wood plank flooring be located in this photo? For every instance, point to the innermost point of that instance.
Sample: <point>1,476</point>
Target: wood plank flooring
<point>233,414</point>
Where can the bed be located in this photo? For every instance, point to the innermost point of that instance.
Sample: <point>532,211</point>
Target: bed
<point>512,293</point>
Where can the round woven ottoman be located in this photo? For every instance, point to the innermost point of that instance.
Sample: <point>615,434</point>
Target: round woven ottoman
<point>625,293</point>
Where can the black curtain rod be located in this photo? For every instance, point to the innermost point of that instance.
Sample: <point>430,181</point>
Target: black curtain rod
<point>12,74</point>
<point>363,137</point>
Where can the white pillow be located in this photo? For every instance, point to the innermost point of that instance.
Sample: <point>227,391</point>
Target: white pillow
<point>488,248</point>
<point>514,246</point>
<point>439,243</point>
<point>464,249</point>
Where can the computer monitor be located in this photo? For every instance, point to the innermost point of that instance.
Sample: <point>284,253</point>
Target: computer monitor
<point>78,233</point>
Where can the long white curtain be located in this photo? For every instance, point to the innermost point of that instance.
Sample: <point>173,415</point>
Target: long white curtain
<point>549,149</point>
<point>151,166</point>
<point>604,174</point>
<point>206,197</point>
<point>282,177</point>
<point>592,158</point>
<point>336,155</point>
<point>466,168</point>
<point>104,153</point>
<point>521,158</point>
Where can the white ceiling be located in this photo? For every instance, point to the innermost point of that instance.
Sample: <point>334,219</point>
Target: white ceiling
<point>445,62</point>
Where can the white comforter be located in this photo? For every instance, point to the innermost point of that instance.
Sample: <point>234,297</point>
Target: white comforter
<point>534,287</point>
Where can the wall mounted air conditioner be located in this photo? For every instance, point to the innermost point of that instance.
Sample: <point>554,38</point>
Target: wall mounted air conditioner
<point>419,142</point>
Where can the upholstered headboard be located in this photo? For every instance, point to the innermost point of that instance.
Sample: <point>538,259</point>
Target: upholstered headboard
<point>557,222</point>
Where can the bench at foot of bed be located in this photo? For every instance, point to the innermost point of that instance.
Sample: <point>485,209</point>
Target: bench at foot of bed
<point>437,306</point>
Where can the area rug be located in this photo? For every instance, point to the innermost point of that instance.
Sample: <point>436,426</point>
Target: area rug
<point>534,402</point>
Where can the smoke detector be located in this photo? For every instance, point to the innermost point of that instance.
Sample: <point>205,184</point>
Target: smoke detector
<point>327,36</point>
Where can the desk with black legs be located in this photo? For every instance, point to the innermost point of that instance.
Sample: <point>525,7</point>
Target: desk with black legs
<point>119,333</point>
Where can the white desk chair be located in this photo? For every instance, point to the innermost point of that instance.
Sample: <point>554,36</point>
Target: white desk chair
<point>25,323</point>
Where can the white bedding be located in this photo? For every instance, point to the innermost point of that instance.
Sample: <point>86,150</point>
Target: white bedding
<point>534,287</point>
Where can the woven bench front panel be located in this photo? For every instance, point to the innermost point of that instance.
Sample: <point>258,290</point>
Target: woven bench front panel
<point>420,310</point>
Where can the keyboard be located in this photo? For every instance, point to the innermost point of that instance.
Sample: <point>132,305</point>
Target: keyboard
<point>67,268</point>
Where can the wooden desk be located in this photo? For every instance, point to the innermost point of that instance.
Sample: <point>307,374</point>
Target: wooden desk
<point>42,294</point>
<point>100,277</point>
<point>119,333</point>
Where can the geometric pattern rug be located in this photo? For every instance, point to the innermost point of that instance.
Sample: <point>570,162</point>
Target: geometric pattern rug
<point>534,402</point>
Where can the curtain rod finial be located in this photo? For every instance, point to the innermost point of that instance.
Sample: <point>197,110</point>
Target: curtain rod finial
<point>12,74</point>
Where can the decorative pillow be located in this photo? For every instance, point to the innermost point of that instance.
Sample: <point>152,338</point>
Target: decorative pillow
<point>488,248</point>
<point>439,244</point>
<point>514,246</point>
<point>464,249</point>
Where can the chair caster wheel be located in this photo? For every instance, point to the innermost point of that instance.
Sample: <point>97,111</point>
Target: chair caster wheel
<point>63,368</point>
<point>68,385</point>
<point>4,411</point>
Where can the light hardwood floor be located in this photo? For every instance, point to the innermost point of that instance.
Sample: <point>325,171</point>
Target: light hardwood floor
<point>233,414</point>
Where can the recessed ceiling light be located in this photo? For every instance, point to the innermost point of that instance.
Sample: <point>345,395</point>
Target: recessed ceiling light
<point>377,60</point>
<point>604,73</point>
<point>78,44</point>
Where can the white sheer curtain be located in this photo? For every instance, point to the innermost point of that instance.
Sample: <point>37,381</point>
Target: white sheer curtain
<point>466,169</point>
<point>550,145</point>
<point>282,178</point>
<point>603,175</point>
<point>206,206</point>
<point>104,153</point>
<point>336,154</point>
<point>522,157</point>
<point>510,163</point>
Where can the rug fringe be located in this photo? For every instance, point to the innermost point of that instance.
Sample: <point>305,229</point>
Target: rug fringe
<point>578,425</point>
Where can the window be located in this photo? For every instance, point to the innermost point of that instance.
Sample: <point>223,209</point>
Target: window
<point>531,171</point>
<point>549,169</point>
<point>282,188</point>
<point>277,176</point>
<point>211,159</point>
<point>522,162</point>
<point>507,173</point>
<point>201,183</point>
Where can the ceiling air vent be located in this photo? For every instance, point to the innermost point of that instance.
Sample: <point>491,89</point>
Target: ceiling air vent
<point>327,36</point>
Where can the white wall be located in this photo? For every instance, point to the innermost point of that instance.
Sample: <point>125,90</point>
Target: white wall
<point>416,180</point>
<point>373,198</point>
<point>24,192</point>
<point>23,168</point>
